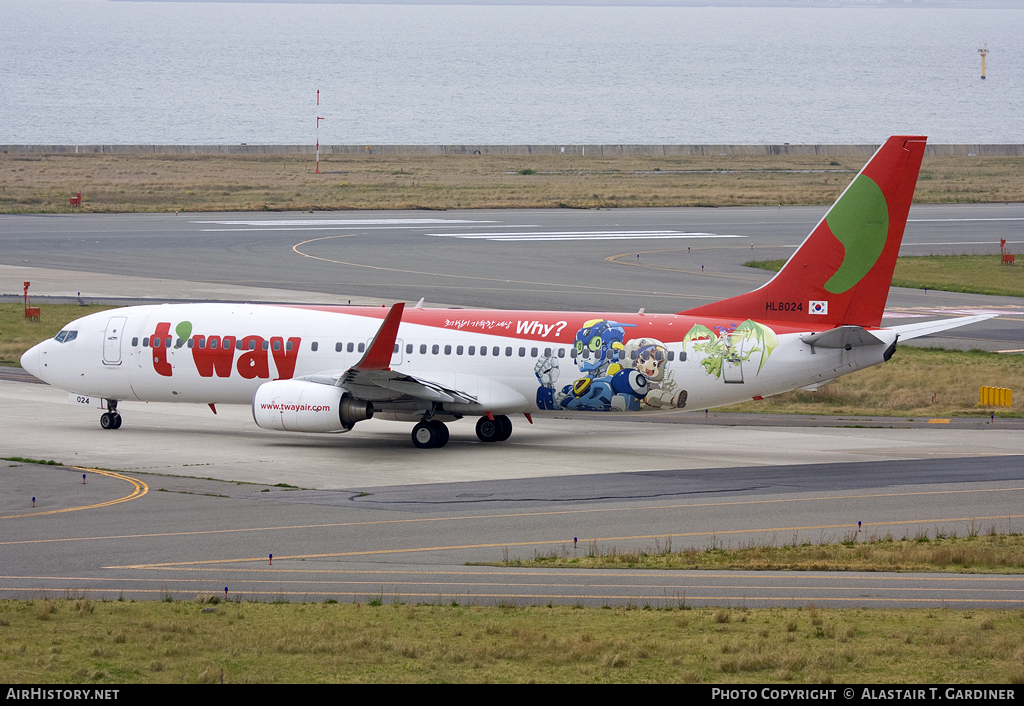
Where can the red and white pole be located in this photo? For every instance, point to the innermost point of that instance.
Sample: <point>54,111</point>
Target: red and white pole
<point>318,131</point>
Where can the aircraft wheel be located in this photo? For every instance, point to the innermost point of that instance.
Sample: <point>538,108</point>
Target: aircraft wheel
<point>425,435</point>
<point>442,433</point>
<point>109,420</point>
<point>506,427</point>
<point>117,421</point>
<point>498,429</point>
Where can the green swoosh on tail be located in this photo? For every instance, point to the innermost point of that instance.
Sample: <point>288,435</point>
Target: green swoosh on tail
<point>860,221</point>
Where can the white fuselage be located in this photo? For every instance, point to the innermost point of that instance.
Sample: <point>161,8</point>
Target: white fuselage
<point>222,353</point>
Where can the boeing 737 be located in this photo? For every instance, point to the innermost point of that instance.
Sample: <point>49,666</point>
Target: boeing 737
<point>325,368</point>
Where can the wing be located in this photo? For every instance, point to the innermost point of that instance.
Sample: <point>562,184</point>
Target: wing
<point>373,379</point>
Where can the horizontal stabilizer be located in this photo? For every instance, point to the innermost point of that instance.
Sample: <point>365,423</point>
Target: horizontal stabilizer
<point>842,337</point>
<point>908,331</point>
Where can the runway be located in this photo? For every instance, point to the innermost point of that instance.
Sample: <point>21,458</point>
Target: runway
<point>193,502</point>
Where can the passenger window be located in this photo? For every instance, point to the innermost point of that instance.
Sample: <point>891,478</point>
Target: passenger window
<point>288,346</point>
<point>337,346</point>
<point>423,349</point>
<point>522,352</point>
<point>472,350</point>
<point>266,346</point>
<point>397,349</point>
<point>135,342</point>
<point>191,342</point>
<point>561,352</point>
<point>145,342</point>
<point>458,350</point>
<point>238,345</point>
<point>214,342</point>
<point>349,347</point>
<point>435,349</point>
<point>508,351</point>
<point>533,352</point>
<point>547,352</point>
<point>157,342</point>
<point>313,346</point>
<point>252,345</point>
<point>202,343</point>
<point>362,347</point>
<point>483,350</point>
<point>495,351</point>
<point>447,350</point>
<point>671,355</point>
<point>408,348</point>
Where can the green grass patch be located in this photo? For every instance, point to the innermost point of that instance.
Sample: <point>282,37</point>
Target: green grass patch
<point>81,640</point>
<point>17,334</point>
<point>973,274</point>
<point>19,459</point>
<point>982,551</point>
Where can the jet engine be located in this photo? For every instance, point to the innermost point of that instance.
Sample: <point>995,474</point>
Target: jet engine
<point>297,405</point>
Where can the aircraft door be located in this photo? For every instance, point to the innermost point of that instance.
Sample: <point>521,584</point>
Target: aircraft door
<point>396,357</point>
<point>112,340</point>
<point>732,362</point>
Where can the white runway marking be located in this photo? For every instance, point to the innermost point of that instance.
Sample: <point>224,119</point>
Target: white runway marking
<point>583,235</point>
<point>344,222</point>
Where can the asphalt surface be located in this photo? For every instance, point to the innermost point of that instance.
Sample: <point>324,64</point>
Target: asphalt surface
<point>194,504</point>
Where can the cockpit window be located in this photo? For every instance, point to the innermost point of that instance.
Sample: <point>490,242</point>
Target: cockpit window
<point>65,336</point>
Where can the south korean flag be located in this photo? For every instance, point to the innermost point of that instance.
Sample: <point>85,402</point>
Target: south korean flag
<point>818,307</point>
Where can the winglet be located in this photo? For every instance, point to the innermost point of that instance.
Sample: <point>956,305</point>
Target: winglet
<point>378,353</point>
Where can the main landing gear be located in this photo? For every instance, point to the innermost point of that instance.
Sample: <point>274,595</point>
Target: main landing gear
<point>497,429</point>
<point>432,434</point>
<point>111,419</point>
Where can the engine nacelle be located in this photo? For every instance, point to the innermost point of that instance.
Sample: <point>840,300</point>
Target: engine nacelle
<point>297,405</point>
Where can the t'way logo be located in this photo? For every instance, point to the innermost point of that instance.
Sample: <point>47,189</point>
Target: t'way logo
<point>215,355</point>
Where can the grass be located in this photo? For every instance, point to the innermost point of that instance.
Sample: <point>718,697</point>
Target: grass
<point>905,386</point>
<point>17,334</point>
<point>975,274</point>
<point>977,553</point>
<point>31,183</point>
<point>79,640</point>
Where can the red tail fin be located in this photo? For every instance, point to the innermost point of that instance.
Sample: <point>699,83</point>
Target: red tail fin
<point>842,272</point>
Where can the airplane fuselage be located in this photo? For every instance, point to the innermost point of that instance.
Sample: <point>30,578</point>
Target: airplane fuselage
<point>563,361</point>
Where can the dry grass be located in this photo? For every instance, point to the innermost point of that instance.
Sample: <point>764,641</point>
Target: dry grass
<point>905,385</point>
<point>159,642</point>
<point>43,183</point>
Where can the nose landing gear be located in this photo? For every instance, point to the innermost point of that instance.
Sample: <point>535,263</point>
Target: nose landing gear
<point>110,419</point>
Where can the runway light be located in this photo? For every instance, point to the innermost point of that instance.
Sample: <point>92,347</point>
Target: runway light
<point>271,559</point>
<point>225,593</point>
<point>83,479</point>
<point>33,501</point>
<point>574,540</point>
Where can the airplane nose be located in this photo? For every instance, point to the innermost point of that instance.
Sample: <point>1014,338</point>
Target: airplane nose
<point>31,362</point>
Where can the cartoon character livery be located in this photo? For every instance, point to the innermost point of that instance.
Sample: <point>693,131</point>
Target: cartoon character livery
<point>325,368</point>
<point>607,385</point>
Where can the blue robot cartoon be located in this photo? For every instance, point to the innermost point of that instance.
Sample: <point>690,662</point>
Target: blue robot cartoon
<point>606,385</point>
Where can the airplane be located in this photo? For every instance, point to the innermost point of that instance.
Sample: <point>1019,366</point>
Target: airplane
<point>326,368</point>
